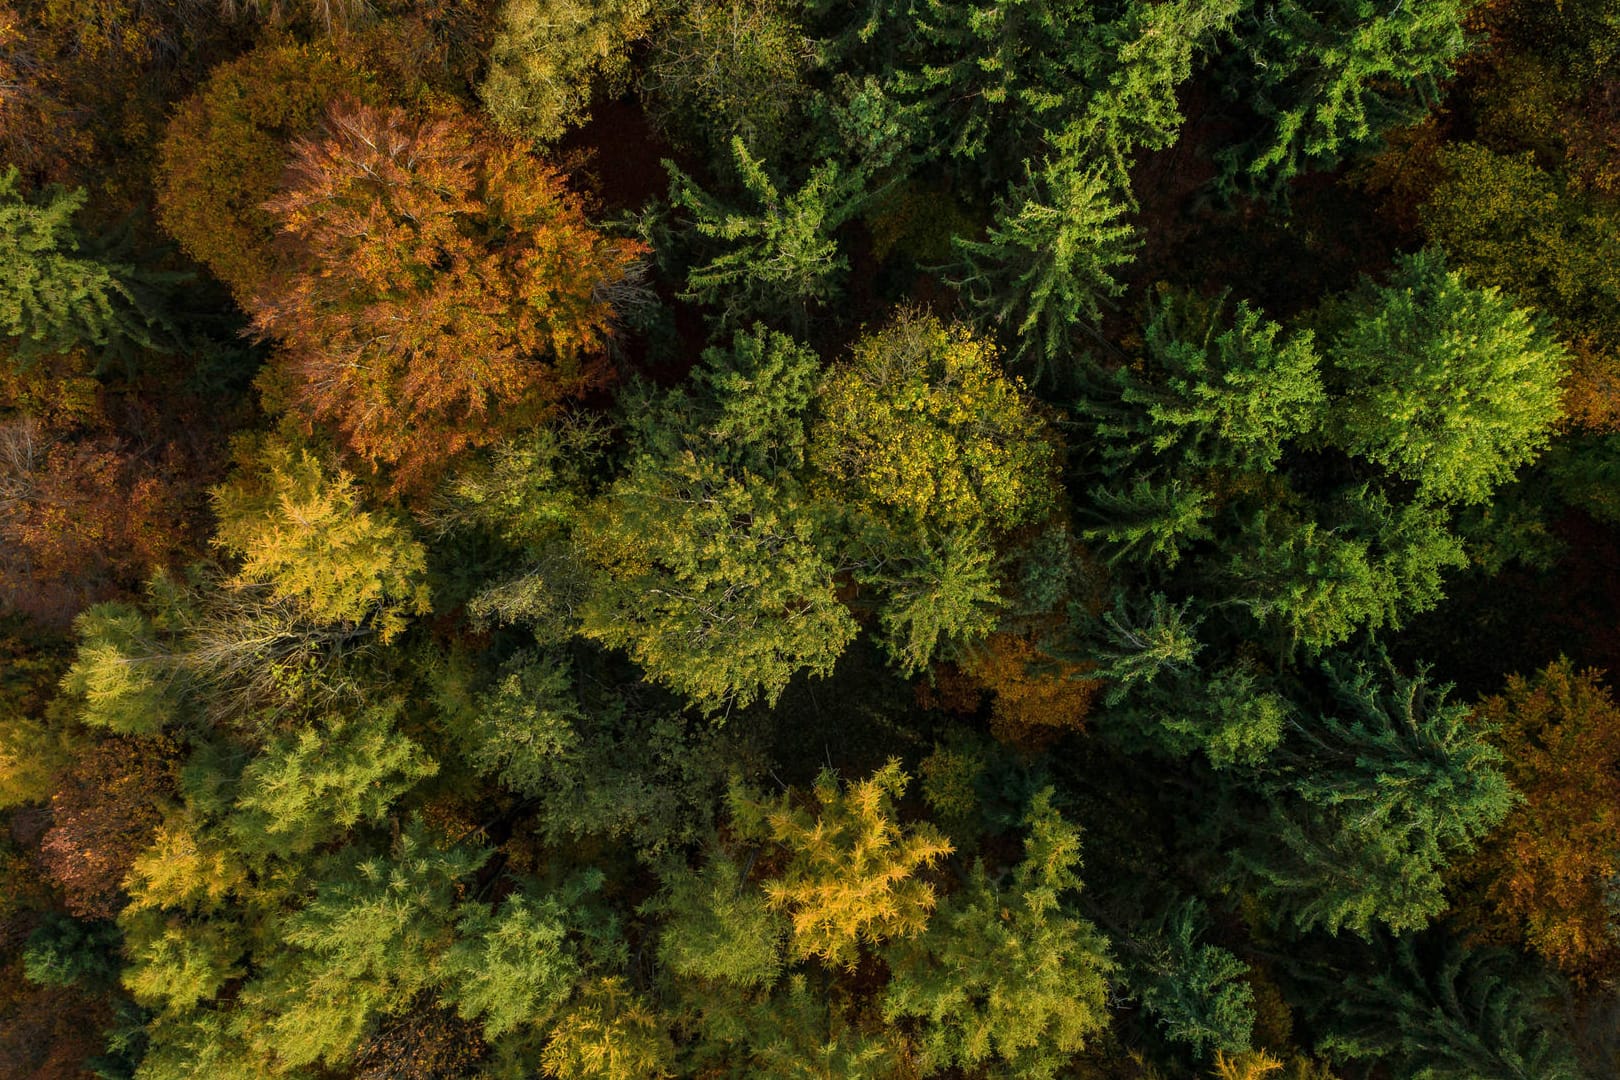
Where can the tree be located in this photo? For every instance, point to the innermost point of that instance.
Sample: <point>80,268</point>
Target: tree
<point>717,928</point>
<point>55,294</point>
<point>608,1033</point>
<point>550,56</point>
<point>919,428</point>
<point>1544,875</point>
<point>713,583</point>
<point>1434,1011</point>
<point>1048,262</point>
<point>1213,391</point>
<point>370,939</point>
<point>937,596</point>
<point>226,148</point>
<point>850,877</point>
<point>311,785</point>
<point>1326,79</point>
<point>299,531</point>
<point>1445,385</point>
<point>103,814</point>
<point>1005,971</point>
<point>516,966</point>
<point>1196,991</point>
<point>724,69</point>
<point>776,257</point>
<point>1372,804</point>
<point>445,289</point>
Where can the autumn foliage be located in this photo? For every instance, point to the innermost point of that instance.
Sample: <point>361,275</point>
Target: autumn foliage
<point>445,288</point>
<point>1545,874</point>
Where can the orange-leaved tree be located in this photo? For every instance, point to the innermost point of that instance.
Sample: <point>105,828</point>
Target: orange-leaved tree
<point>1548,875</point>
<point>443,288</point>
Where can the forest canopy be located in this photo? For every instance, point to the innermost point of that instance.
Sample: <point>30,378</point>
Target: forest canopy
<point>809,539</point>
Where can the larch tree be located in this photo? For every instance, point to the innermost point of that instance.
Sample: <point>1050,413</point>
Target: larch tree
<point>299,530</point>
<point>445,289</point>
<point>852,872</point>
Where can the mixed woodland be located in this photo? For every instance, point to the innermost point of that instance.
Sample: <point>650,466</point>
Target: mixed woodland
<point>844,539</point>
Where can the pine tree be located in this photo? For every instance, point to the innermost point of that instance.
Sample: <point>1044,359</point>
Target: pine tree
<point>1196,991</point>
<point>1446,385</point>
<point>717,927</point>
<point>1047,265</point>
<point>608,1033</point>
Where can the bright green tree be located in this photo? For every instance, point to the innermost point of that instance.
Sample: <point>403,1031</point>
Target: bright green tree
<point>309,786</point>
<point>717,928</point>
<point>1005,971</point>
<point>1325,79</point>
<point>1048,262</point>
<point>1449,386</point>
<point>517,965</point>
<point>54,293</point>
<point>713,583</point>
<point>775,257</point>
<point>372,937</point>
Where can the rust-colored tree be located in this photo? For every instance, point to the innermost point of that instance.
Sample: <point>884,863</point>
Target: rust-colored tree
<point>103,815</point>
<point>1543,876</point>
<point>446,289</point>
<point>81,518</point>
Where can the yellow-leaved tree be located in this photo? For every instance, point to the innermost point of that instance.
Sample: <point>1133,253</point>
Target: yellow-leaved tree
<point>851,875</point>
<point>300,532</point>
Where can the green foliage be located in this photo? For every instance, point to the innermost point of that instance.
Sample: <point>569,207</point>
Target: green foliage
<point>309,786</point>
<point>1148,522</point>
<point>713,583</point>
<point>1135,644</point>
<point>1214,392</point>
<point>775,257</point>
<point>850,877</point>
<point>717,928</point>
<point>1005,971</point>
<point>1366,565</point>
<point>920,428</point>
<point>119,673</point>
<point>300,532</point>
<point>1048,262</point>
<point>371,938</point>
<point>55,295</point>
<point>1373,803</point>
<point>940,596</point>
<point>1326,79</point>
<point>66,952</point>
<point>1197,992</point>
<point>1446,385</point>
<point>550,56</point>
<point>515,966</point>
<point>725,69</point>
<point>1447,1013</point>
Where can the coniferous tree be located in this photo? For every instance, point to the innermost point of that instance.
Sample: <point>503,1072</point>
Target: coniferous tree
<point>1047,265</point>
<point>56,295</point>
<point>850,879</point>
<point>1005,971</point>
